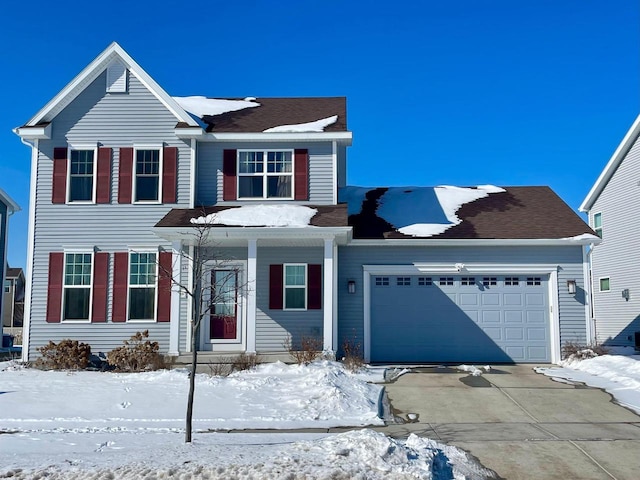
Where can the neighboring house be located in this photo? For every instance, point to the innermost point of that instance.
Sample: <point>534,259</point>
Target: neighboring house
<point>612,207</point>
<point>123,170</point>
<point>7,208</point>
<point>13,299</point>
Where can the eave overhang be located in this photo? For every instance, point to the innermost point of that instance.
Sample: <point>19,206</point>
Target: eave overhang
<point>474,242</point>
<point>37,132</point>
<point>343,138</point>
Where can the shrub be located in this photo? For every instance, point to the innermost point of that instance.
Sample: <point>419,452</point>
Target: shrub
<point>576,351</point>
<point>136,355</point>
<point>225,365</point>
<point>310,349</point>
<point>66,355</point>
<point>353,358</point>
<point>245,361</point>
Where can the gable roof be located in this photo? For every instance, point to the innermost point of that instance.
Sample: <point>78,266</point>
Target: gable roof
<point>91,72</point>
<point>613,163</point>
<point>9,202</point>
<point>523,213</point>
<point>274,112</point>
<point>14,272</point>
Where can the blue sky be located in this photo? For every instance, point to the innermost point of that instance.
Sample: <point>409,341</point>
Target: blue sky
<point>503,92</point>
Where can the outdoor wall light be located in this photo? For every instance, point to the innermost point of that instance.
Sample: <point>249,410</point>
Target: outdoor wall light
<point>625,294</point>
<point>571,287</point>
<point>351,286</point>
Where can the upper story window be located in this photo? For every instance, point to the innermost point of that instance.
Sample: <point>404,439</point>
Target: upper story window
<point>81,176</point>
<point>147,175</point>
<point>265,174</point>
<point>7,286</point>
<point>597,224</point>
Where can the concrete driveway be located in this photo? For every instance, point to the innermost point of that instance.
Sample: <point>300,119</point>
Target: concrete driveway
<point>521,424</point>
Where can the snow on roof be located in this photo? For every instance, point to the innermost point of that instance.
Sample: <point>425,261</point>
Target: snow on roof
<point>260,216</point>
<point>201,106</point>
<point>585,236</point>
<point>418,211</point>
<point>316,126</point>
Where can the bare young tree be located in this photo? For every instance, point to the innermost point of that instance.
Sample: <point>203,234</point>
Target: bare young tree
<point>205,292</point>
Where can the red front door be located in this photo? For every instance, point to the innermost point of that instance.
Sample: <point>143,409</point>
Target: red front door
<point>224,305</point>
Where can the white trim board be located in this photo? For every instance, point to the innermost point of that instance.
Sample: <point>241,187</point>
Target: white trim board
<point>418,268</point>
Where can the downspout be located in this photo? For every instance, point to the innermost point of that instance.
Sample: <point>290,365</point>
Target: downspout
<point>588,287</point>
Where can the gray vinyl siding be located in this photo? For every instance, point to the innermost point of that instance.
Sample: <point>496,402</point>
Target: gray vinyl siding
<point>274,326</point>
<point>113,120</point>
<point>618,256</point>
<point>209,169</point>
<point>569,259</point>
<point>342,166</point>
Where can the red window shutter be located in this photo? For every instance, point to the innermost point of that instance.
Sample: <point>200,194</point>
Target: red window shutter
<point>120,283</point>
<point>54,292</point>
<point>275,287</point>
<point>59,187</point>
<point>229,190</point>
<point>301,172</point>
<point>164,286</point>
<point>125,177</point>
<point>314,291</point>
<point>100,280</point>
<point>169,174</point>
<point>103,188</point>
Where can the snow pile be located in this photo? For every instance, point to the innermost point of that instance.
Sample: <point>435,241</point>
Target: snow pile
<point>316,126</point>
<point>201,106</point>
<point>355,454</point>
<point>276,395</point>
<point>473,370</point>
<point>618,375</point>
<point>260,216</point>
<point>585,237</point>
<point>418,211</point>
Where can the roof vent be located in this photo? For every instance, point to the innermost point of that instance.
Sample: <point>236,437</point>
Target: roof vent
<point>116,78</point>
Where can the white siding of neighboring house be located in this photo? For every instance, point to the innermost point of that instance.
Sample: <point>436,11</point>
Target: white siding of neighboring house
<point>618,256</point>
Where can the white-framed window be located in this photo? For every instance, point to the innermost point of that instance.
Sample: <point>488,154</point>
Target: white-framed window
<point>597,224</point>
<point>265,174</point>
<point>295,286</point>
<point>605,284</point>
<point>147,174</point>
<point>77,286</point>
<point>7,285</point>
<point>81,174</point>
<point>143,274</point>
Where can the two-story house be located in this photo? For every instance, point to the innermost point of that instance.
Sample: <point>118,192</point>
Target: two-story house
<point>122,172</point>
<point>611,206</point>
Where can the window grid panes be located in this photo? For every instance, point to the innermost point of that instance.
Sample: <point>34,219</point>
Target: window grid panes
<point>532,281</point>
<point>142,286</point>
<point>446,281</point>
<point>147,175</point>
<point>489,281</point>
<point>81,176</point>
<point>77,286</point>
<point>468,281</point>
<point>295,287</point>
<point>382,281</point>
<point>511,281</point>
<point>403,281</point>
<point>425,281</point>
<point>276,181</point>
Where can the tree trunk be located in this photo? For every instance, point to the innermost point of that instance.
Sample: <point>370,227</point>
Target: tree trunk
<point>192,384</point>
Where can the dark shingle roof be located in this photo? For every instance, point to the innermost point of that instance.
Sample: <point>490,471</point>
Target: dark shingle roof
<point>274,112</point>
<point>327,216</point>
<point>517,213</point>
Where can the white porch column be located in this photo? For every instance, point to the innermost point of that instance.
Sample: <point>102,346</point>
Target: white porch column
<point>329,327</point>
<point>252,267</point>
<point>174,326</point>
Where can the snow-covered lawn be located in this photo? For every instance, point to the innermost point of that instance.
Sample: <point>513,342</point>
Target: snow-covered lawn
<point>617,374</point>
<point>109,425</point>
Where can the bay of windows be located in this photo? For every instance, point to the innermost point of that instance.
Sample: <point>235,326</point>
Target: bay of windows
<point>265,174</point>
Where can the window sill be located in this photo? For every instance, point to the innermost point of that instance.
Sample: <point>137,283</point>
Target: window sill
<point>76,321</point>
<point>142,321</point>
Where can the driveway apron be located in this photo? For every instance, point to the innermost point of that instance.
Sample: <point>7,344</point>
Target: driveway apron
<point>521,424</point>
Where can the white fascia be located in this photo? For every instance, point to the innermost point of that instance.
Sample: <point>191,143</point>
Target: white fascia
<point>189,132</point>
<point>434,242</point>
<point>341,234</point>
<point>37,132</point>
<point>343,138</point>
